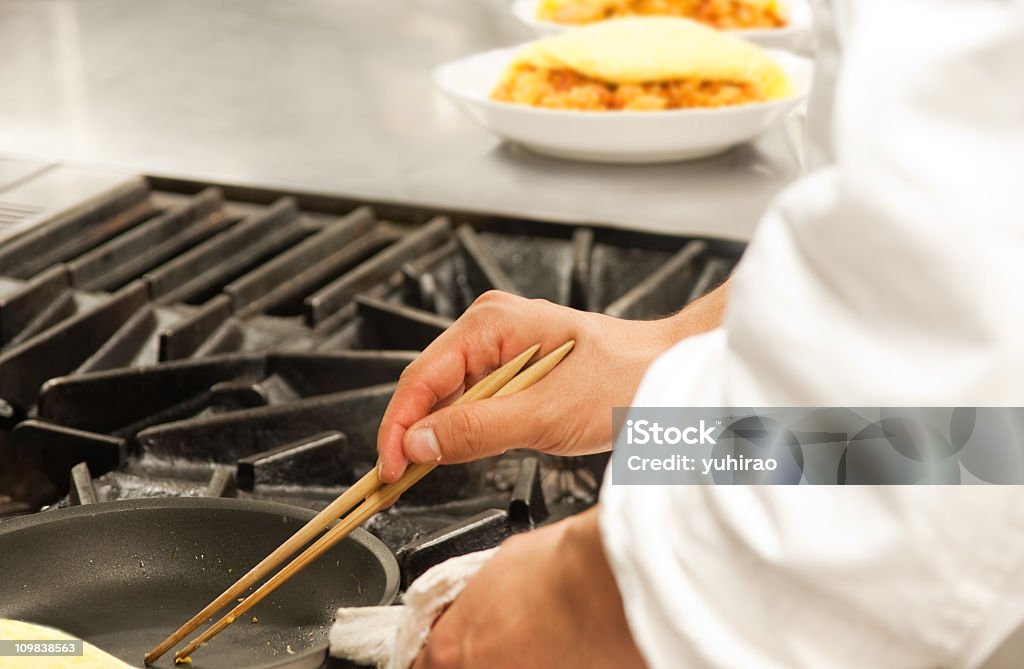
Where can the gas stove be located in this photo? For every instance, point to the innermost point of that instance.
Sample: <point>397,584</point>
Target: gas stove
<point>166,337</point>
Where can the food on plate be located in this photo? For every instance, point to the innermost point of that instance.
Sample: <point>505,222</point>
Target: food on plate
<point>642,64</point>
<point>91,657</point>
<point>723,14</point>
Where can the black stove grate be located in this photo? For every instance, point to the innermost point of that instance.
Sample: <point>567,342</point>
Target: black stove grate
<point>177,338</point>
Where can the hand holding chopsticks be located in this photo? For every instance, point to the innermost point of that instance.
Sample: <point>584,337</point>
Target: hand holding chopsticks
<point>373,496</point>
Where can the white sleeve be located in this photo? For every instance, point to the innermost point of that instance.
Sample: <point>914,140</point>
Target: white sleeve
<point>893,278</point>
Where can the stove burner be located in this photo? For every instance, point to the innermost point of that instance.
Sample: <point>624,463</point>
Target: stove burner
<point>176,338</point>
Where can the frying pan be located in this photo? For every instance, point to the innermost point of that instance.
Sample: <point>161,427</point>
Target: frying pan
<point>124,575</point>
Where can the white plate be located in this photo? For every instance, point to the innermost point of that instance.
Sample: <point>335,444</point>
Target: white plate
<point>617,136</point>
<point>796,35</point>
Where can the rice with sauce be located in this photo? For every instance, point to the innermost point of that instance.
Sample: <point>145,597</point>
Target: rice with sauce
<point>721,14</point>
<point>641,64</point>
<point>560,88</point>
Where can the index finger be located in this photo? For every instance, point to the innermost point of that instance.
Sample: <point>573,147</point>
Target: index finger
<point>429,379</point>
<point>475,345</point>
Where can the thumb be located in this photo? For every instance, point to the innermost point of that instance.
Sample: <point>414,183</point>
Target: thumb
<point>461,433</point>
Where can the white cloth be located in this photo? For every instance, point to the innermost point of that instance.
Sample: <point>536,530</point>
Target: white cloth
<point>893,278</point>
<point>391,637</point>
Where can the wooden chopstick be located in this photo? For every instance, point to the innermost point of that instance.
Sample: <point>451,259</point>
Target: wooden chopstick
<point>339,507</point>
<point>536,371</point>
<point>385,495</point>
<point>354,495</point>
<point>345,502</point>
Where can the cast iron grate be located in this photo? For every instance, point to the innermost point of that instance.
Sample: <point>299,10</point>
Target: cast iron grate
<point>177,338</point>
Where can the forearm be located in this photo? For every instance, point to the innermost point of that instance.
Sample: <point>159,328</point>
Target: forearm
<point>587,575</point>
<point>702,315</point>
<point>589,587</point>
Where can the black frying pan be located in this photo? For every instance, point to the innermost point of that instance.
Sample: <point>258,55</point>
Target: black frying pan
<point>124,575</point>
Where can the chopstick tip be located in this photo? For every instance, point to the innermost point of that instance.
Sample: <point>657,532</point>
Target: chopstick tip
<point>561,351</point>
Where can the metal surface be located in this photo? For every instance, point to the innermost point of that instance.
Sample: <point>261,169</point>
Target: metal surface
<point>669,286</point>
<point>256,361</point>
<point>203,270</point>
<point>92,219</point>
<point>123,575</point>
<point>317,460</point>
<point>525,510</point>
<point>13,171</point>
<point>334,96</point>
<point>30,194</point>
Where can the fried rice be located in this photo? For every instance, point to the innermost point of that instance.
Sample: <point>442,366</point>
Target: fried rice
<point>722,14</point>
<point>561,88</point>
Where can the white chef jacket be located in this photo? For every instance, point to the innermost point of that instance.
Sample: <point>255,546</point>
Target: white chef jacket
<point>894,277</point>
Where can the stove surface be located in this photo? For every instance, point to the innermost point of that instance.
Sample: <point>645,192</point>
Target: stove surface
<point>335,96</point>
<point>175,338</point>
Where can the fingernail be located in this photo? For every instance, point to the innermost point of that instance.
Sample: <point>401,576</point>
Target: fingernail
<point>421,445</point>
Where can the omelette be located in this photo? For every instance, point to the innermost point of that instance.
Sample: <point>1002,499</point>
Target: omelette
<point>722,14</point>
<point>642,64</point>
<point>91,658</point>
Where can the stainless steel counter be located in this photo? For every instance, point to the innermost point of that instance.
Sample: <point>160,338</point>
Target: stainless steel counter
<point>328,95</point>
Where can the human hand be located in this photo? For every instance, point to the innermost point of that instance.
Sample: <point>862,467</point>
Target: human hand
<point>566,414</point>
<point>546,598</point>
